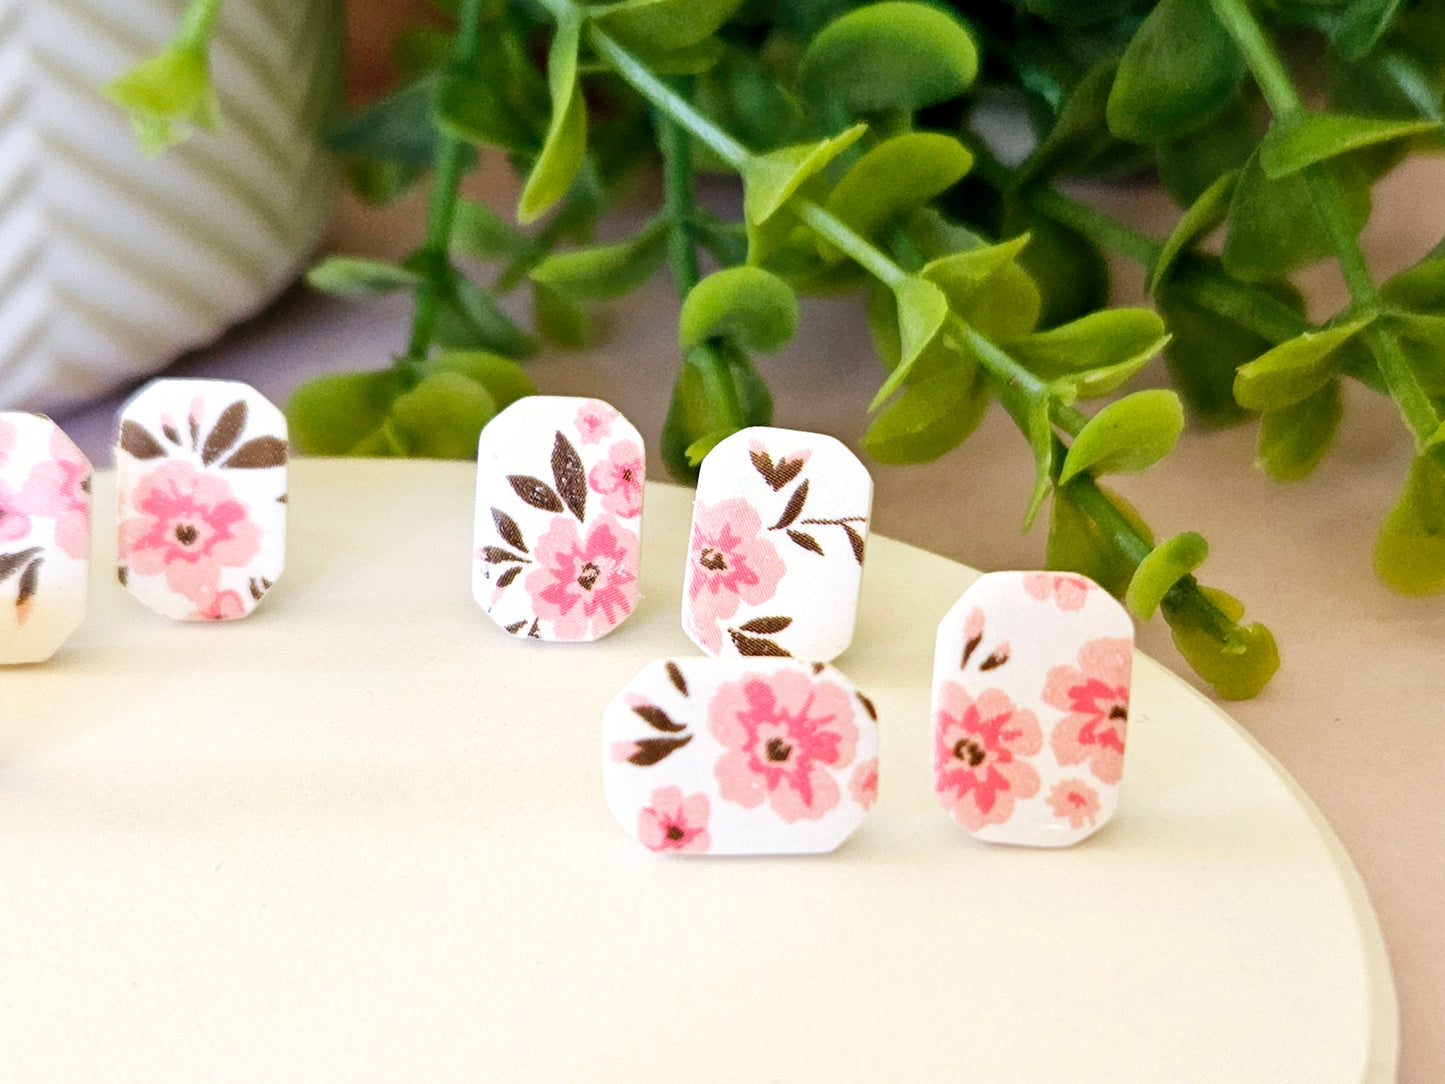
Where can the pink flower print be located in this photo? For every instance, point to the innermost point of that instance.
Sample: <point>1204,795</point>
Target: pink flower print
<point>219,606</point>
<point>863,784</point>
<point>59,488</point>
<point>1069,592</point>
<point>979,746</point>
<point>728,563</point>
<point>189,525</point>
<point>1096,697</point>
<point>584,586</point>
<point>594,421</point>
<point>675,823</point>
<point>14,523</point>
<point>781,734</point>
<point>618,479</point>
<point>1074,801</point>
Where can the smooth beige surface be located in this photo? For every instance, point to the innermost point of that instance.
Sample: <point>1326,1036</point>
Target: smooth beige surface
<point>360,835</point>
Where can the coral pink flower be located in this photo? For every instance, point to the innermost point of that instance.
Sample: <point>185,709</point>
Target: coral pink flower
<point>728,563</point>
<point>1074,801</point>
<point>618,478</point>
<point>594,421</point>
<point>863,784</point>
<point>978,751</point>
<point>675,823</point>
<point>189,525</point>
<point>1096,697</point>
<point>1069,592</point>
<point>59,489</point>
<point>219,606</point>
<point>781,734</point>
<point>14,523</point>
<point>584,586</point>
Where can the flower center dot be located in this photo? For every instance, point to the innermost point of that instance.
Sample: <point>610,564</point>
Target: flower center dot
<point>967,749</point>
<point>778,750</point>
<point>588,579</point>
<point>1118,711</point>
<point>186,534</point>
<point>713,560</point>
<point>674,833</point>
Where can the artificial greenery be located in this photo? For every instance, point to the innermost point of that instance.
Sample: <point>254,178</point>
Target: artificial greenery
<point>851,127</point>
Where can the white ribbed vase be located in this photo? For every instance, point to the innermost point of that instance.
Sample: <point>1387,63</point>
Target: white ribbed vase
<point>112,263</point>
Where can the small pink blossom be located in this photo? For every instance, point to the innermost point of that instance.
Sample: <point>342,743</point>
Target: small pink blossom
<point>675,823</point>
<point>781,734</point>
<point>188,525</point>
<point>618,478</point>
<point>584,586</point>
<point>1074,801</point>
<point>59,488</point>
<point>979,746</point>
<point>621,751</point>
<point>1095,694</point>
<point>219,606</point>
<point>594,421</point>
<point>1069,592</point>
<point>729,563</point>
<point>14,523</point>
<point>757,447</point>
<point>863,784</point>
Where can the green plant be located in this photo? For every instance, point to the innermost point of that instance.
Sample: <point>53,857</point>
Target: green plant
<point>850,127</point>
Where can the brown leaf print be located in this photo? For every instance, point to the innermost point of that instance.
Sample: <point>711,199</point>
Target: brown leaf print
<point>506,578</point>
<point>753,645</point>
<point>997,659</point>
<point>10,563</point>
<point>257,454</point>
<point>29,582</point>
<point>674,675</point>
<point>856,541</point>
<point>969,648</point>
<point>807,541</point>
<point>169,431</point>
<point>658,719</point>
<point>767,626</point>
<point>535,492</point>
<point>570,476</point>
<point>136,441</point>
<point>777,474</point>
<point>652,750</point>
<point>794,508</point>
<point>516,627</point>
<point>225,432</point>
<point>867,706</point>
<point>496,555</point>
<point>508,529</point>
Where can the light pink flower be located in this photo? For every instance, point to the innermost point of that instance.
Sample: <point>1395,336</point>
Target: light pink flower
<point>188,525</point>
<point>978,751</point>
<point>14,523</point>
<point>675,823</point>
<point>863,784</point>
<point>1096,696</point>
<point>584,586</point>
<point>1074,801</point>
<point>219,606</point>
<point>1069,592</point>
<point>618,478</point>
<point>728,563</point>
<point>594,421</point>
<point>781,734</point>
<point>59,488</point>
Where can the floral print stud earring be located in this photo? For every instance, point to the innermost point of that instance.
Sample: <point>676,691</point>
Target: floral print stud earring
<point>558,518</point>
<point>1031,679</point>
<point>201,487</point>
<point>44,537</point>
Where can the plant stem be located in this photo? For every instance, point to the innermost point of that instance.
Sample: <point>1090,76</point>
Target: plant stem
<point>870,258</point>
<point>1095,224</point>
<point>1264,63</point>
<point>676,147</point>
<point>442,201</point>
<point>198,22</point>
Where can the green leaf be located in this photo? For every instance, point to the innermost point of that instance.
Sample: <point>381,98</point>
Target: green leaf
<point>896,176</point>
<point>660,26</point>
<point>888,56</point>
<point>566,143</point>
<point>1292,439</point>
<point>1410,548</point>
<point>397,129</point>
<point>1238,667</point>
<point>468,319</point>
<point>1101,340</point>
<point>1361,26</point>
<point>1162,567</point>
<point>1188,166</point>
<point>769,180</point>
<point>333,414</point>
<point>357,277</point>
<point>930,418</point>
<point>470,107</point>
<point>988,290</point>
<point>559,319</point>
<point>696,413</point>
<point>1294,142</point>
<point>1067,270</point>
<point>922,311</point>
<point>726,242</point>
<point>1129,435</point>
<point>742,95</point>
<point>1418,289</point>
<point>1273,225</point>
<point>479,231</point>
<point>1075,543</point>
<point>168,95</point>
<point>1196,223</point>
<point>1080,135</point>
<point>442,417</point>
<point>752,307</point>
<point>698,449</point>
<point>608,271</point>
<point>1294,369</point>
<point>504,379</point>
<point>1179,69</point>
